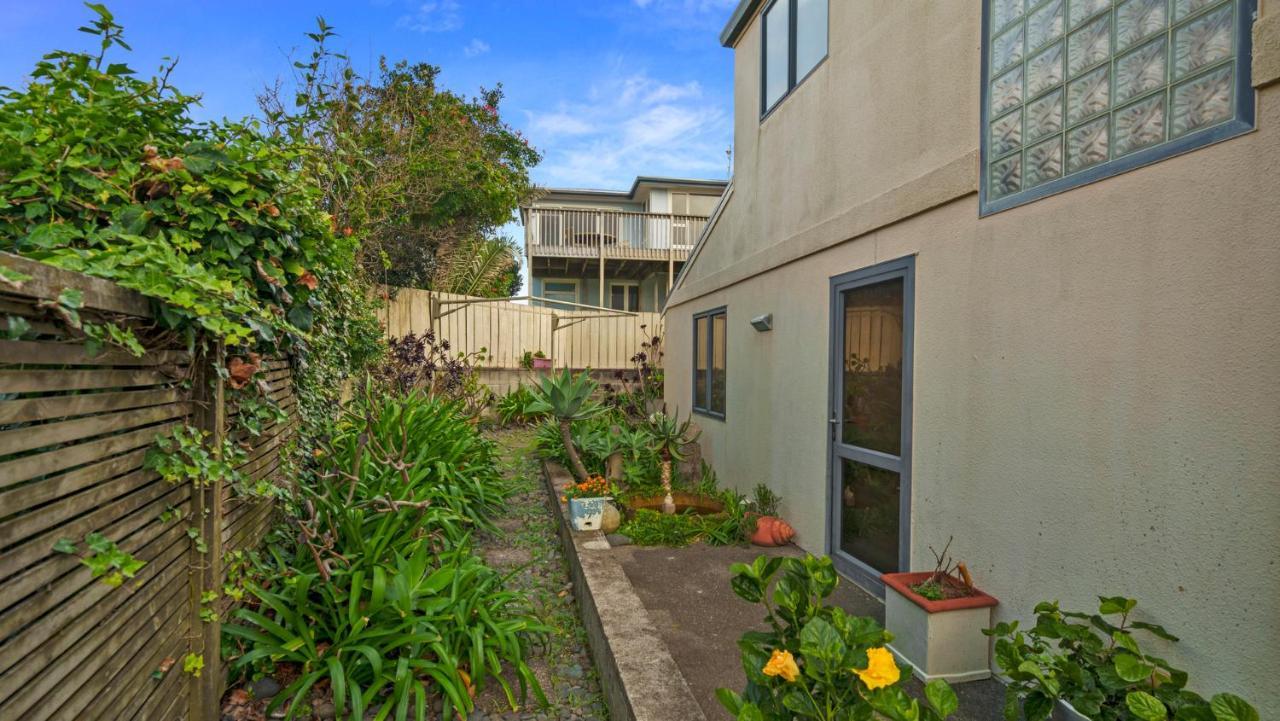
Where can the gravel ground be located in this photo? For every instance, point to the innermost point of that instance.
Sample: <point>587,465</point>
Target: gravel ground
<point>528,546</point>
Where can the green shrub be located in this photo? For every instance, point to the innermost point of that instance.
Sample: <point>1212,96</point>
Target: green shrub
<point>376,589</point>
<point>512,408</point>
<point>416,626</point>
<point>816,661</point>
<point>1094,662</point>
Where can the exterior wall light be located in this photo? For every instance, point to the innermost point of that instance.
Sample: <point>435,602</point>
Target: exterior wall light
<point>762,323</point>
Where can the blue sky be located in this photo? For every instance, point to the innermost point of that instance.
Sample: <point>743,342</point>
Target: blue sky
<point>606,89</point>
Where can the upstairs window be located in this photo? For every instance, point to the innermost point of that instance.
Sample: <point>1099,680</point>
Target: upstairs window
<point>795,42</point>
<point>1079,90</point>
<point>709,356</point>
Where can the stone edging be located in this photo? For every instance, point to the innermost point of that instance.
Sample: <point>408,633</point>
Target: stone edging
<point>640,679</point>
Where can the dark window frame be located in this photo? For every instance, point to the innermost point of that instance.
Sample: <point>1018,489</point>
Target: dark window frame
<point>702,406</point>
<point>792,81</point>
<point>860,573</point>
<point>1244,122</point>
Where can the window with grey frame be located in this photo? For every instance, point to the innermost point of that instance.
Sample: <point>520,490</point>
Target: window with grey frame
<point>793,43</point>
<point>1074,91</point>
<point>710,355</point>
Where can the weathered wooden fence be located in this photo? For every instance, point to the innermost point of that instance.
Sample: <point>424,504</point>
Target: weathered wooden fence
<point>571,338</point>
<point>74,431</point>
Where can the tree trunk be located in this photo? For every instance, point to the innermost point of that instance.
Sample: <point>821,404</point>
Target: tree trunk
<point>668,503</point>
<point>566,437</point>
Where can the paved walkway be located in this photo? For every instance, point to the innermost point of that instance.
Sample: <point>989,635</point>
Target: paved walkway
<point>687,594</point>
<point>527,544</point>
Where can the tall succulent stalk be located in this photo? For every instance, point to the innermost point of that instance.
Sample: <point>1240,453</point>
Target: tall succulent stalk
<point>670,436</point>
<point>567,398</point>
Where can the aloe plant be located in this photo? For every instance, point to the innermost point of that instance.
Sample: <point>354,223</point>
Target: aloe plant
<point>567,398</point>
<point>670,436</point>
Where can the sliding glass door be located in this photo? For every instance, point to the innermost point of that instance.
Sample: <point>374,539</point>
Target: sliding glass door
<point>870,421</point>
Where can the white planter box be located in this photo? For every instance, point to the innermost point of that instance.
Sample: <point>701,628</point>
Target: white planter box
<point>939,639</point>
<point>1063,711</point>
<point>586,514</point>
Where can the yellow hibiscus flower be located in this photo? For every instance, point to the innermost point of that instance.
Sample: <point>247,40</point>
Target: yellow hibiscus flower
<point>881,669</point>
<point>783,664</point>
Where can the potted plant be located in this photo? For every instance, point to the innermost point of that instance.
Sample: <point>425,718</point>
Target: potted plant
<point>540,361</point>
<point>768,529</point>
<point>1073,666</point>
<point>938,619</point>
<point>587,503</point>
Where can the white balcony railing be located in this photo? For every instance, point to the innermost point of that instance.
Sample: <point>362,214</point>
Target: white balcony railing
<point>609,233</point>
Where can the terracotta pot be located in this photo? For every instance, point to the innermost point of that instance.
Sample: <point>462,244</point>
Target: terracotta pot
<point>541,364</point>
<point>772,531</point>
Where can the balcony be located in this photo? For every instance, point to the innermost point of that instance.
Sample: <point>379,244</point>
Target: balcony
<point>609,234</point>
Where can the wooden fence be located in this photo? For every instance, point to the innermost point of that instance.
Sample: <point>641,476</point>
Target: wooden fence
<point>74,431</point>
<point>571,338</point>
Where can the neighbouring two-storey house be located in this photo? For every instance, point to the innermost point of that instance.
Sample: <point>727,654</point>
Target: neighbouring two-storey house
<point>1008,272</point>
<point>615,249</point>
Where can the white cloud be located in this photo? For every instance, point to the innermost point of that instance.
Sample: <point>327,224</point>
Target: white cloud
<point>688,14</point>
<point>475,48</point>
<point>628,125</point>
<point>433,16</point>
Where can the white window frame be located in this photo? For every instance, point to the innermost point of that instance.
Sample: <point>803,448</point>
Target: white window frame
<point>626,296</point>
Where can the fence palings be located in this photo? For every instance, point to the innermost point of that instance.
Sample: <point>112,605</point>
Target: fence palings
<point>74,432</point>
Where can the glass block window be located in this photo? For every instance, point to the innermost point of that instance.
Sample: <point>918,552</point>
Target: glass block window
<point>1078,90</point>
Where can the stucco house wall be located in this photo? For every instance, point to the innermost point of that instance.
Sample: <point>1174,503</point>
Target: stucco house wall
<point>1096,401</point>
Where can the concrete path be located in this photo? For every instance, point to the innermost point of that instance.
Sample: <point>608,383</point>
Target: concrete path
<point>687,595</point>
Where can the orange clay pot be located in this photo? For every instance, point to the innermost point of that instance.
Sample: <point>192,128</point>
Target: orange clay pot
<point>772,531</point>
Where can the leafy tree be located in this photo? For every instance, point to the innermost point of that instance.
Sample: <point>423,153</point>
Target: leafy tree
<point>418,174</point>
<point>103,172</point>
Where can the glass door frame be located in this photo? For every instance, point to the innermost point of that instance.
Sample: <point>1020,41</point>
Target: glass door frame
<point>849,566</point>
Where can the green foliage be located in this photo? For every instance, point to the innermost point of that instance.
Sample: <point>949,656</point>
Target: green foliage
<point>193,663</point>
<point>828,647</point>
<point>483,266</point>
<point>184,455</point>
<point>512,407</point>
<point>1095,663</point>
<point>670,435</point>
<point>104,558</point>
<point>417,174</point>
<point>566,397</point>
<point>651,528</point>
<point>765,500</point>
<point>375,594</point>
<point>104,173</point>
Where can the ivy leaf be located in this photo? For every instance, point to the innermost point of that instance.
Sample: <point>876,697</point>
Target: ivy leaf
<point>13,278</point>
<point>72,298</point>
<point>17,327</point>
<point>1228,707</point>
<point>1145,706</point>
<point>65,545</point>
